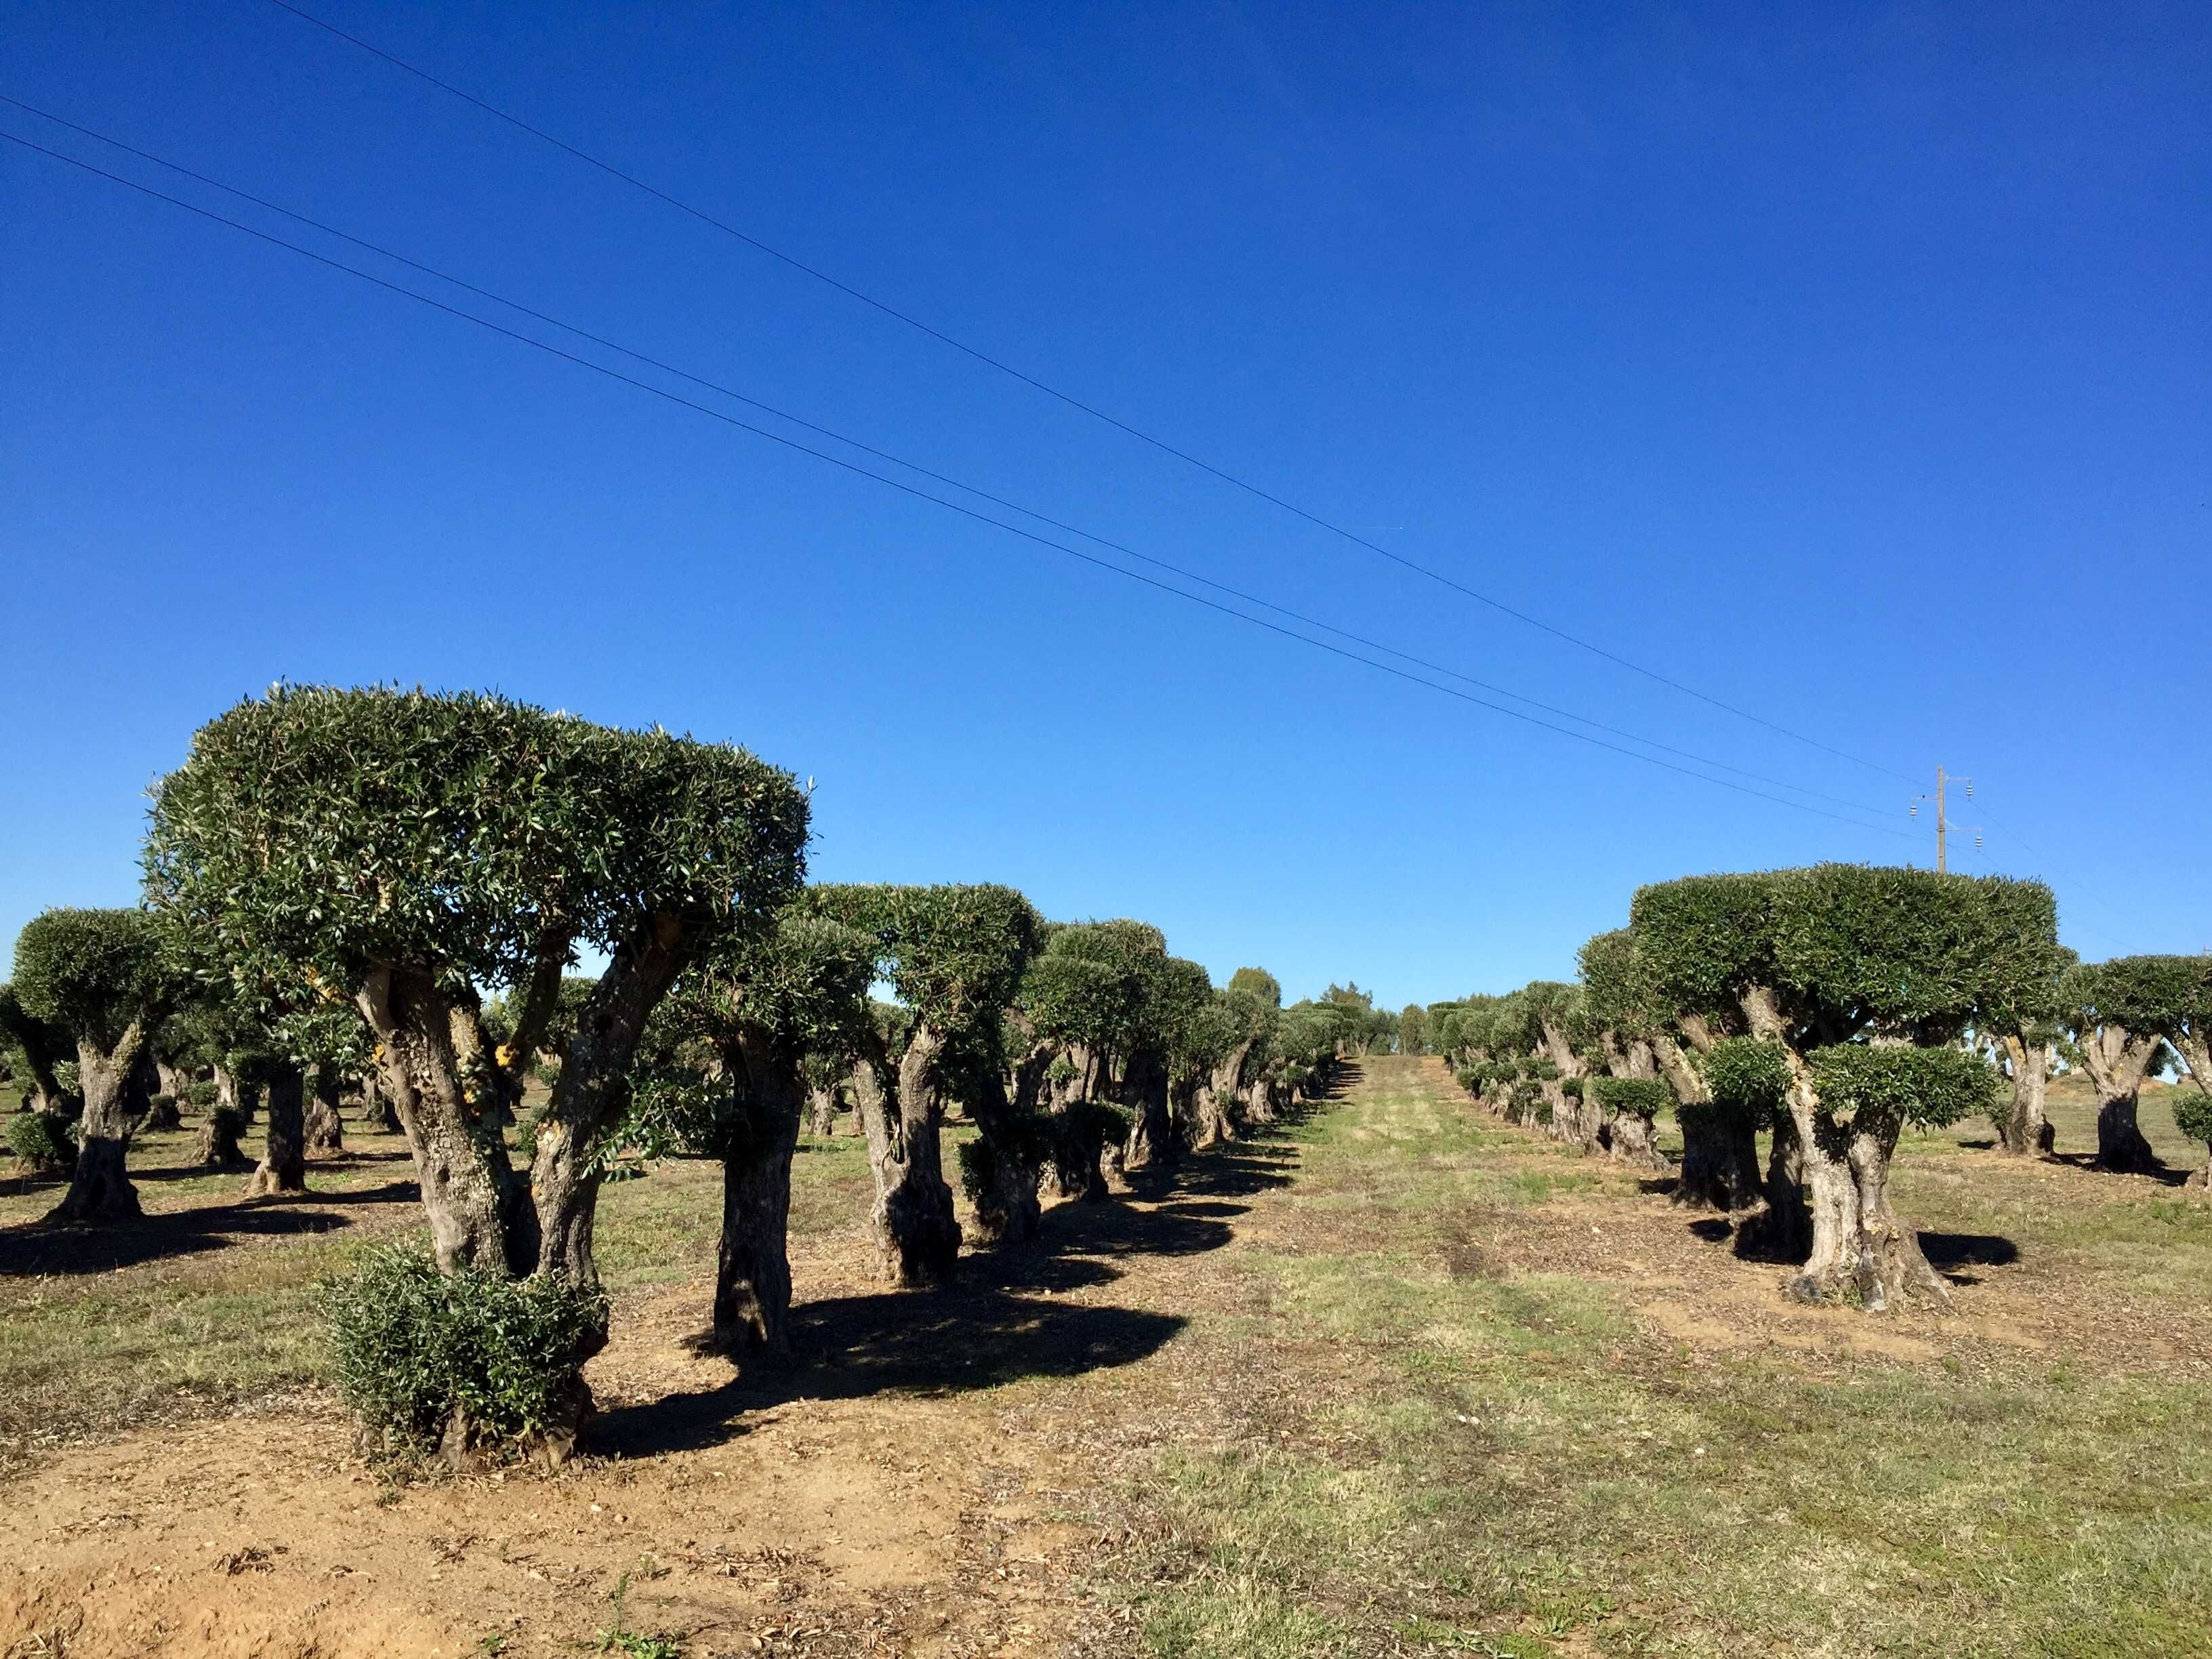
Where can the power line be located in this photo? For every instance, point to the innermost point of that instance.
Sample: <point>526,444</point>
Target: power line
<point>909,489</point>
<point>1072,402</point>
<point>939,477</point>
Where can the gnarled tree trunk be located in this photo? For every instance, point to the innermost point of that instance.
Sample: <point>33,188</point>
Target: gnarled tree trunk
<point>1575,1119</point>
<point>1007,1208</point>
<point>564,1172</point>
<point>378,1101</point>
<point>468,1185</point>
<point>822,1111</point>
<point>2025,1132</point>
<point>1859,1248</point>
<point>218,1147</point>
<point>100,1189</point>
<point>284,1169</point>
<point>326,1129</point>
<point>1145,1091</point>
<point>917,1234</point>
<point>752,1264</point>
<point>2116,1060</point>
<point>1632,1139</point>
<point>1720,1149</point>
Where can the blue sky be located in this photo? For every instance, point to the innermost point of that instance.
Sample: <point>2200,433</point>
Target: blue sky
<point>1854,366</point>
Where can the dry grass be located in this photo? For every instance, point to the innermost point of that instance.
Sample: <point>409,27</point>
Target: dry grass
<point>1545,1416</point>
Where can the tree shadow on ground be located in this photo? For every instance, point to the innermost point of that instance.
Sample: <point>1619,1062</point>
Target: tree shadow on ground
<point>37,1249</point>
<point>951,1340</point>
<point>996,1324</point>
<point>1948,1253</point>
<point>2164,1174</point>
<point>1242,1169</point>
<point>339,1165</point>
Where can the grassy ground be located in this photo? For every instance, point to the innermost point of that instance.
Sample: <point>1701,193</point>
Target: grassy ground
<point>207,1304</point>
<point>1481,1424</point>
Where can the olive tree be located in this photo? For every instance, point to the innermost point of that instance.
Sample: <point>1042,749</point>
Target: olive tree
<point>107,978</point>
<point>1866,978</point>
<point>2118,1014</point>
<point>1168,1053</point>
<point>1258,983</point>
<point>1553,1013</point>
<point>955,956</point>
<point>1244,1023</point>
<point>411,850</point>
<point>1640,1036</point>
<point>1197,1032</point>
<point>1746,1089</point>
<point>38,1046</point>
<point>2022,1036</point>
<point>2188,1028</point>
<point>1625,1027</point>
<point>1082,997</point>
<point>722,1073</point>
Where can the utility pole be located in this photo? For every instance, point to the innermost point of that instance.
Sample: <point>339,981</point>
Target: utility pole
<point>1942,816</point>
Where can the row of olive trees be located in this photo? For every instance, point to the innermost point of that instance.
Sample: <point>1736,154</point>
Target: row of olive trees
<point>394,886</point>
<point>1833,1007</point>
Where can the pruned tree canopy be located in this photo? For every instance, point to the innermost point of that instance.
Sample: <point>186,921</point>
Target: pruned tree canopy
<point>1846,949</point>
<point>954,954</point>
<point>93,973</point>
<point>1258,982</point>
<point>2147,995</point>
<point>1641,1097</point>
<point>338,830</point>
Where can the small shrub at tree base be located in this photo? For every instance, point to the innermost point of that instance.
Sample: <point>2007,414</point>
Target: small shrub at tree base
<point>2192,1114</point>
<point>201,1094</point>
<point>417,1350</point>
<point>44,1142</point>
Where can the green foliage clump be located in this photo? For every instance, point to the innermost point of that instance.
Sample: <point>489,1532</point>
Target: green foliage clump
<point>419,1351</point>
<point>92,972</point>
<point>43,1141</point>
<point>201,1093</point>
<point>1619,993</point>
<point>1094,1125</point>
<point>330,830</point>
<point>2140,995</point>
<point>1259,983</point>
<point>772,998</point>
<point>1639,1097</point>
<point>2193,1115</point>
<point>1894,1085</point>
<point>1746,1077</point>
